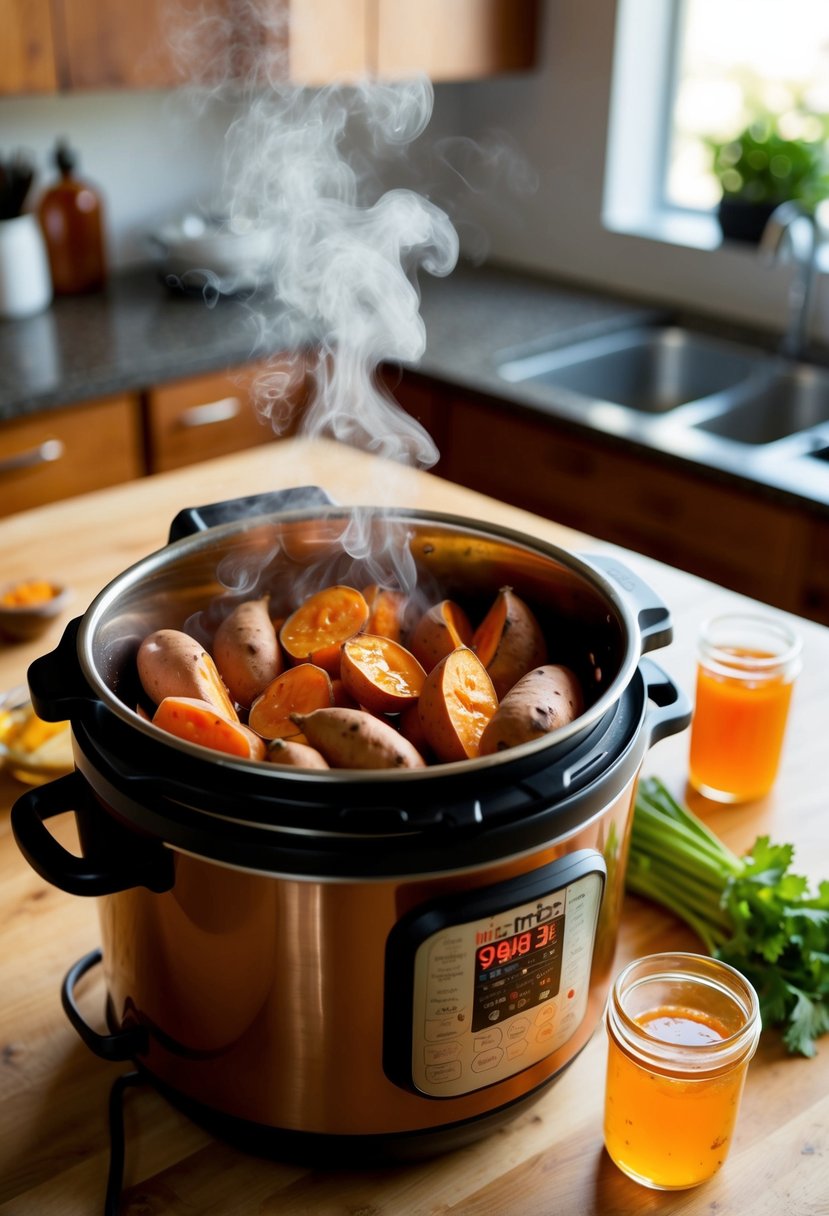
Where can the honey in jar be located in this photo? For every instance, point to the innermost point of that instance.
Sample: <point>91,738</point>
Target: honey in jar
<point>682,1029</point>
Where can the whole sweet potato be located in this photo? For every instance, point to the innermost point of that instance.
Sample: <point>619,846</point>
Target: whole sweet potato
<point>246,650</point>
<point>542,701</point>
<point>352,738</point>
<point>172,664</point>
<point>295,755</point>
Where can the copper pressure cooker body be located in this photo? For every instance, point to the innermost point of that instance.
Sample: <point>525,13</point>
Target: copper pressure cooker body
<point>391,963</point>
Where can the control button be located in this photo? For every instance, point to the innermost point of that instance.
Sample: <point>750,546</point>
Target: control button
<point>440,1074</point>
<point>545,1032</point>
<point>514,1050</point>
<point>487,1060</point>
<point>517,1028</point>
<point>494,1016</point>
<point>490,1038</point>
<point>546,1013</point>
<point>440,1052</point>
<point>435,1030</point>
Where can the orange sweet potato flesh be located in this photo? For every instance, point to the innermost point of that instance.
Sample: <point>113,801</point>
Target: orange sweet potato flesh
<point>440,630</point>
<point>316,630</point>
<point>456,704</point>
<point>509,641</point>
<point>386,611</point>
<point>380,674</point>
<point>199,722</point>
<point>300,689</point>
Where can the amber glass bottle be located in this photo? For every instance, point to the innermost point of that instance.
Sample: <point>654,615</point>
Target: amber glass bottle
<point>72,219</point>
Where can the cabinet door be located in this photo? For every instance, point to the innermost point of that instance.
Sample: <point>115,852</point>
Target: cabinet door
<point>62,452</point>
<point>114,43</point>
<point>454,39</point>
<point>206,416</point>
<point>27,54</point>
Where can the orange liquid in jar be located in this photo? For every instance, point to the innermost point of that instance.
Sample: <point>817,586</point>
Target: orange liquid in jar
<point>737,731</point>
<point>670,1130</point>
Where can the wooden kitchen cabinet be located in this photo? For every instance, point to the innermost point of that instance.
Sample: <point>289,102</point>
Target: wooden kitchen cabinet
<point>27,51</point>
<point>191,420</point>
<point>709,528</point>
<point>62,452</point>
<point>105,44</point>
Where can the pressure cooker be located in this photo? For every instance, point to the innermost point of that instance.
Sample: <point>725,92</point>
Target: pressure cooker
<point>363,963</point>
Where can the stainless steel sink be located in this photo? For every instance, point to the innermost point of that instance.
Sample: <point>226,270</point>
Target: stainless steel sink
<point>794,398</point>
<point>651,370</point>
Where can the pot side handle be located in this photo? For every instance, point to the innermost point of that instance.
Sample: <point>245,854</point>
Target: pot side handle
<point>669,711</point>
<point>653,615</point>
<point>199,519</point>
<point>126,860</point>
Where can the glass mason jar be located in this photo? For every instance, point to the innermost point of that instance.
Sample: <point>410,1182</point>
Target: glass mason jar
<point>747,665</point>
<point>682,1029</point>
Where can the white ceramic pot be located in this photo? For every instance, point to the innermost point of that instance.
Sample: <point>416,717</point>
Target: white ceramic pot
<point>25,280</point>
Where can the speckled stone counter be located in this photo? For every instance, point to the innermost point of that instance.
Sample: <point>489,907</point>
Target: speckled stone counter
<point>137,334</point>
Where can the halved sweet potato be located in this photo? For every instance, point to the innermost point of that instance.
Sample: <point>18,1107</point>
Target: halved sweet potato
<point>456,703</point>
<point>246,650</point>
<point>509,641</point>
<point>440,630</point>
<point>543,700</point>
<point>297,690</point>
<point>353,738</point>
<point>317,629</point>
<point>199,722</point>
<point>380,674</point>
<point>387,609</point>
<point>172,664</point>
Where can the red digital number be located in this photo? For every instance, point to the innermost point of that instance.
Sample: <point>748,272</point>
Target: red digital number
<point>486,957</point>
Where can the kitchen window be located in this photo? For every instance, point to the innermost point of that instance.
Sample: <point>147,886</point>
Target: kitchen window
<point>688,73</point>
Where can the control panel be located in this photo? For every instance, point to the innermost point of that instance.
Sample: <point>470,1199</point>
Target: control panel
<point>495,984</point>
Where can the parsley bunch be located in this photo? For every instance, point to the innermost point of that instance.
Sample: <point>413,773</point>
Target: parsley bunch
<point>748,911</point>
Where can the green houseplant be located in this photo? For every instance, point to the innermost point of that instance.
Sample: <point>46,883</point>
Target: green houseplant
<point>760,169</point>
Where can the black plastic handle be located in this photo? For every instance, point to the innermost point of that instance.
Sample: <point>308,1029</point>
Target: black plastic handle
<point>56,685</point>
<point>124,859</point>
<point>199,519</point>
<point>653,615</point>
<point>124,1044</point>
<point>670,711</point>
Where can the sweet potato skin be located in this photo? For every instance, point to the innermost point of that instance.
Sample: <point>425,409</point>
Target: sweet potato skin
<point>295,755</point>
<point>172,664</point>
<point>246,650</point>
<point>352,738</point>
<point>542,701</point>
<point>509,641</point>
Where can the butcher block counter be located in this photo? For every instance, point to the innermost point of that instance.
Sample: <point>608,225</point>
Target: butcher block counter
<point>54,1140</point>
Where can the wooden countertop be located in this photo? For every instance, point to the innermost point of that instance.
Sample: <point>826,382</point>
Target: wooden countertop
<point>53,1091</point>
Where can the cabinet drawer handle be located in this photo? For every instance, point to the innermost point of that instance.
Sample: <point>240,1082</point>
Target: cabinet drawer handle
<point>44,453</point>
<point>210,413</point>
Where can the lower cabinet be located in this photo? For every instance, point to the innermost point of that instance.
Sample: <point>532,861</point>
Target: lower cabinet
<point>62,452</point>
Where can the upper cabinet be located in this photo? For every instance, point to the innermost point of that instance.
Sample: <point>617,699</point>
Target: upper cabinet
<point>51,45</point>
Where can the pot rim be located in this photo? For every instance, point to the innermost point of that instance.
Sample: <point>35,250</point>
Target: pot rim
<point>170,553</point>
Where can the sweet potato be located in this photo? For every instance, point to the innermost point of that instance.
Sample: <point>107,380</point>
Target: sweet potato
<point>198,722</point>
<point>172,664</point>
<point>297,690</point>
<point>353,738</point>
<point>456,704</point>
<point>296,755</point>
<point>387,609</point>
<point>316,630</point>
<point>542,701</point>
<point>440,630</point>
<point>380,674</point>
<point>246,650</point>
<point>509,641</point>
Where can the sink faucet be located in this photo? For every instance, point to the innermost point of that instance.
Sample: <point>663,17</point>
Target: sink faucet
<point>791,235</point>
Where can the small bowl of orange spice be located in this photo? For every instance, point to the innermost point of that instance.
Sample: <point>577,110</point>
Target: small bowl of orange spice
<point>28,607</point>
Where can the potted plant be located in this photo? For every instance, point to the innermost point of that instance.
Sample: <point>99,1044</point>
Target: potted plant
<point>759,170</point>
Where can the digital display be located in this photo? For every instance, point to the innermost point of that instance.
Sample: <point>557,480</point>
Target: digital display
<point>517,972</point>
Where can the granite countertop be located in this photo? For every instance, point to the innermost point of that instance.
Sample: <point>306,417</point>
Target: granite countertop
<point>138,334</point>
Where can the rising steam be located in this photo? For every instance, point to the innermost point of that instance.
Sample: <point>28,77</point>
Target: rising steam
<point>303,164</point>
